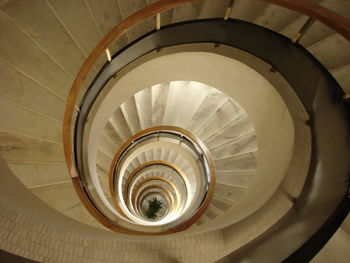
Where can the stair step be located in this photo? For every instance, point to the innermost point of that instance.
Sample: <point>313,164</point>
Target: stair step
<point>59,196</point>
<point>191,95</point>
<point>16,148</point>
<point>202,220</point>
<point>341,74</point>
<point>130,113</point>
<point>213,9</point>
<point>51,36</point>
<point>32,175</point>
<point>79,213</point>
<point>240,179</point>
<point>186,12</point>
<point>215,210</point>
<point>103,161</point>
<point>231,193</point>
<point>241,145</point>
<point>107,15</point>
<point>110,133</point>
<point>319,31</point>
<point>210,213</point>
<point>128,8</point>
<point>248,10</point>
<point>293,28</point>
<point>120,125</point>
<point>227,113</point>
<point>275,17</point>
<point>219,204</point>
<point>143,101</point>
<point>340,55</point>
<point>239,162</point>
<point>16,119</point>
<point>159,100</point>
<point>238,127</point>
<point>28,93</point>
<point>157,153</point>
<point>211,104</point>
<point>46,72</point>
<point>106,146</point>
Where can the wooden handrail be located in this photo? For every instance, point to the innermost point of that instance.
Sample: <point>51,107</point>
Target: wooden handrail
<point>116,32</point>
<point>211,186</point>
<point>151,130</point>
<point>141,167</point>
<point>333,20</point>
<point>156,178</point>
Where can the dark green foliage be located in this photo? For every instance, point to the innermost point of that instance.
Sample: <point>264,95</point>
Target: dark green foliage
<point>154,206</point>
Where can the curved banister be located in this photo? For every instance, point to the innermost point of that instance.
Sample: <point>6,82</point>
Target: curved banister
<point>335,21</point>
<point>116,32</point>
<point>150,131</point>
<point>151,163</point>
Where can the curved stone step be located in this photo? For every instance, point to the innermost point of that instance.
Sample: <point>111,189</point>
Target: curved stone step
<point>111,134</point>
<point>211,213</point>
<point>51,36</point>
<point>275,17</point>
<point>17,148</point>
<point>341,74</point>
<point>211,104</point>
<point>130,113</point>
<point>240,179</point>
<point>39,174</point>
<point>143,101</point>
<point>78,212</point>
<point>27,93</point>
<point>240,126</point>
<point>60,196</point>
<point>318,31</point>
<point>127,8</point>
<point>245,161</point>
<point>213,209</point>
<point>202,220</point>
<point>19,45</point>
<point>248,10</point>
<point>232,193</point>
<point>293,28</point>
<point>159,100</point>
<point>107,15</point>
<point>186,12</point>
<point>120,125</point>
<point>221,204</point>
<point>340,55</point>
<point>213,9</point>
<point>19,120</point>
<point>227,113</point>
<point>105,145</point>
<point>103,161</point>
<point>240,145</point>
<point>103,177</point>
<point>191,95</point>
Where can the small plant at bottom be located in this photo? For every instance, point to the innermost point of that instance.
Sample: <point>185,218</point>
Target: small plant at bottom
<point>154,206</point>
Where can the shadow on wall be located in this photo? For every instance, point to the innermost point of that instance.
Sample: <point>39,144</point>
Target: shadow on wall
<point>7,257</point>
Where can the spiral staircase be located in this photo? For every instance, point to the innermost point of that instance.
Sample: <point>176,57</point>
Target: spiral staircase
<point>233,114</point>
